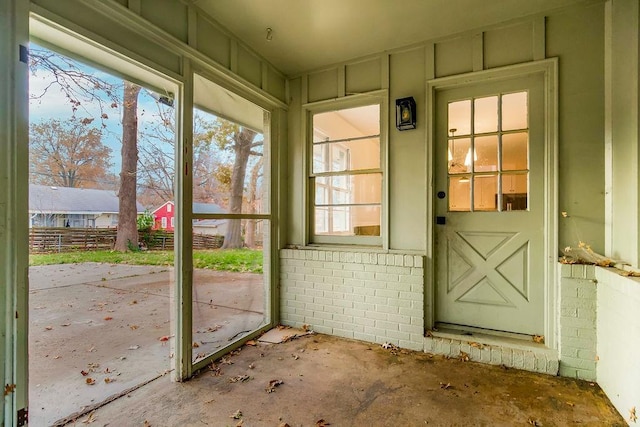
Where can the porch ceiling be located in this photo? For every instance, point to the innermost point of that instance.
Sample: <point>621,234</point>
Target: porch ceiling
<point>313,33</point>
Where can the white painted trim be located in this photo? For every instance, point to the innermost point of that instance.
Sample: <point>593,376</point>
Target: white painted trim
<point>478,51</point>
<point>549,69</point>
<point>119,53</point>
<point>375,97</point>
<point>14,223</point>
<point>182,306</point>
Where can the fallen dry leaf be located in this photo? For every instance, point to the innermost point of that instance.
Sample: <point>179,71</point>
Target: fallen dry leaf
<point>66,324</point>
<point>239,423</point>
<point>108,318</point>
<point>445,386</point>
<point>9,388</point>
<point>146,424</point>
<point>533,422</point>
<point>538,339</point>
<point>477,345</point>
<point>272,385</point>
<point>134,347</point>
<point>252,343</point>
<point>84,373</point>
<point>306,328</point>
<point>464,357</point>
<point>239,379</point>
<point>632,415</point>
<point>251,366</point>
<point>195,345</point>
<point>90,418</point>
<point>283,425</point>
<point>226,361</point>
<point>48,328</point>
<point>90,381</point>
<point>133,327</point>
<point>133,302</point>
<point>571,404</point>
<point>109,380</point>
<point>295,356</point>
<point>322,423</point>
<point>236,415</point>
<point>164,338</point>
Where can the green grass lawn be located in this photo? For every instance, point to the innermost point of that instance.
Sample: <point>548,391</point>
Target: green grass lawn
<point>240,260</point>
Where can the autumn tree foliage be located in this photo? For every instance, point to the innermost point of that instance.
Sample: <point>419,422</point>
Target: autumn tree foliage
<point>68,153</point>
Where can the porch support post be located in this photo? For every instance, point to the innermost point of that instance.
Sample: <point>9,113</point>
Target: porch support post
<point>622,130</point>
<point>14,189</point>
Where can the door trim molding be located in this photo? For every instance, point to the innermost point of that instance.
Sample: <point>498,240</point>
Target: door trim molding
<point>548,68</point>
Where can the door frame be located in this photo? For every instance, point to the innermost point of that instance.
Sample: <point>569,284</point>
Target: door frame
<point>548,68</point>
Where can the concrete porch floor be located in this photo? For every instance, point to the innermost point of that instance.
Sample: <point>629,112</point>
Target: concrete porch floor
<point>351,383</point>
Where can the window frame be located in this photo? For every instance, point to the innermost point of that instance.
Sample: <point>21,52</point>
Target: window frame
<point>381,99</point>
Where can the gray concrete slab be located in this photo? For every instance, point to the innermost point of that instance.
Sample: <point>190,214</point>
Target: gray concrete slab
<point>111,323</point>
<point>350,383</point>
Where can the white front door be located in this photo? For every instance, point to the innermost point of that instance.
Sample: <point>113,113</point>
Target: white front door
<point>489,226</point>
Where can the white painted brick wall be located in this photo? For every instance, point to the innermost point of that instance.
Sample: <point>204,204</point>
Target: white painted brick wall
<point>367,296</point>
<point>578,339</point>
<point>619,340</point>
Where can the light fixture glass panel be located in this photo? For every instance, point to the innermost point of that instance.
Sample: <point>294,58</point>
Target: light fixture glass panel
<point>458,150</point>
<point>485,115</point>
<point>459,118</point>
<point>346,155</point>
<point>485,153</point>
<point>515,151</point>
<point>514,111</point>
<point>515,192</point>
<point>459,194</point>
<point>485,191</point>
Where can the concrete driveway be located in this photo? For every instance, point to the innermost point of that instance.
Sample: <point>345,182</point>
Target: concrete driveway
<point>98,330</point>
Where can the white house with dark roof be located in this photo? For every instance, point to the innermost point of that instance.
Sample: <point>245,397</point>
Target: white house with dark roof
<point>51,206</point>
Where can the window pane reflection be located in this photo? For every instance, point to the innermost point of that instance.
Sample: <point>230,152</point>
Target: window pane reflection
<point>485,117</point>
<point>459,194</point>
<point>514,111</point>
<point>485,190</point>
<point>347,220</point>
<point>457,155</point>
<point>486,154</point>
<point>515,151</point>
<point>460,118</point>
<point>348,155</point>
<point>515,192</point>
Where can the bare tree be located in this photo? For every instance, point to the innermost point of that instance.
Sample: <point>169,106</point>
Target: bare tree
<point>68,154</point>
<point>243,145</point>
<point>77,85</point>
<point>252,201</point>
<point>128,213</point>
<point>156,170</point>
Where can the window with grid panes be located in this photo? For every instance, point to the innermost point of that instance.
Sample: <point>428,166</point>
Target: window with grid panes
<point>346,176</point>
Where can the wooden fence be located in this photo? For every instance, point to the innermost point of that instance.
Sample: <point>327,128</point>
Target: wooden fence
<point>65,239</point>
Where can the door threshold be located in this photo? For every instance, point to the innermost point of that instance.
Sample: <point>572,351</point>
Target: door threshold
<point>487,337</point>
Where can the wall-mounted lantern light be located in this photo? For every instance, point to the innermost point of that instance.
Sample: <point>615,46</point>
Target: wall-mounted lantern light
<point>405,113</point>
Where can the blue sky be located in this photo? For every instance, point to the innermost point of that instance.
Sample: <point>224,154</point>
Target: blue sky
<point>54,105</point>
